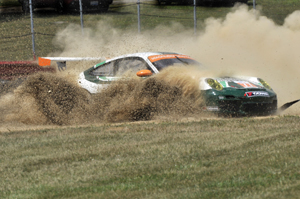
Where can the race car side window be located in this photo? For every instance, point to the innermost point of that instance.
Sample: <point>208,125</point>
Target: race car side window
<point>130,65</point>
<point>104,70</point>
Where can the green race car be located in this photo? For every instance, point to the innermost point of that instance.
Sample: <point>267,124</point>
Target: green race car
<point>239,96</point>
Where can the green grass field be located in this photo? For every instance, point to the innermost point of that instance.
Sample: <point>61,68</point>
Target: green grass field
<point>216,158</point>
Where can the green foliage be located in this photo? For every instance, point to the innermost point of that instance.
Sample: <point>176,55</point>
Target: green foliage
<point>216,158</point>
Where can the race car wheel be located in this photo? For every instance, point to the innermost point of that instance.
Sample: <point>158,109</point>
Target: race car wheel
<point>25,6</point>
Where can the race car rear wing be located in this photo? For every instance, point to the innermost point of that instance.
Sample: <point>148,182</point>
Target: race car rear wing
<point>61,61</point>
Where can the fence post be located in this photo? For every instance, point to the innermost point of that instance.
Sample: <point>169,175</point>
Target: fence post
<point>254,4</point>
<point>32,30</point>
<point>139,21</point>
<point>195,18</point>
<point>81,17</point>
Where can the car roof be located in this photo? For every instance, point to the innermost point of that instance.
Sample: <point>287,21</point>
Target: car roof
<point>143,55</point>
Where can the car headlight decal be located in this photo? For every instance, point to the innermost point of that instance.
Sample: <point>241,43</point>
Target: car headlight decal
<point>214,84</point>
<point>264,83</point>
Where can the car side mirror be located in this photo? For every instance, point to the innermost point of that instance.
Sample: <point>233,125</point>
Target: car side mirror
<point>144,73</point>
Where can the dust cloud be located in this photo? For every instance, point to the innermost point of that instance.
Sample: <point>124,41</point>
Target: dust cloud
<point>49,99</point>
<point>243,43</point>
<point>247,43</point>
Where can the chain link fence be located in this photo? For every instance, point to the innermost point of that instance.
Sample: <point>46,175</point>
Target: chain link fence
<point>19,43</point>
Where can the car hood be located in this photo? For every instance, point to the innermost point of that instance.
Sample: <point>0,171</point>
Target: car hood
<point>244,83</point>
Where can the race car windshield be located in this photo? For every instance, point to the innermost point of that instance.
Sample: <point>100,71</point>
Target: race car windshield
<point>161,62</point>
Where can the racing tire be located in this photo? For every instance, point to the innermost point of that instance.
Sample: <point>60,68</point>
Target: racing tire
<point>25,7</point>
